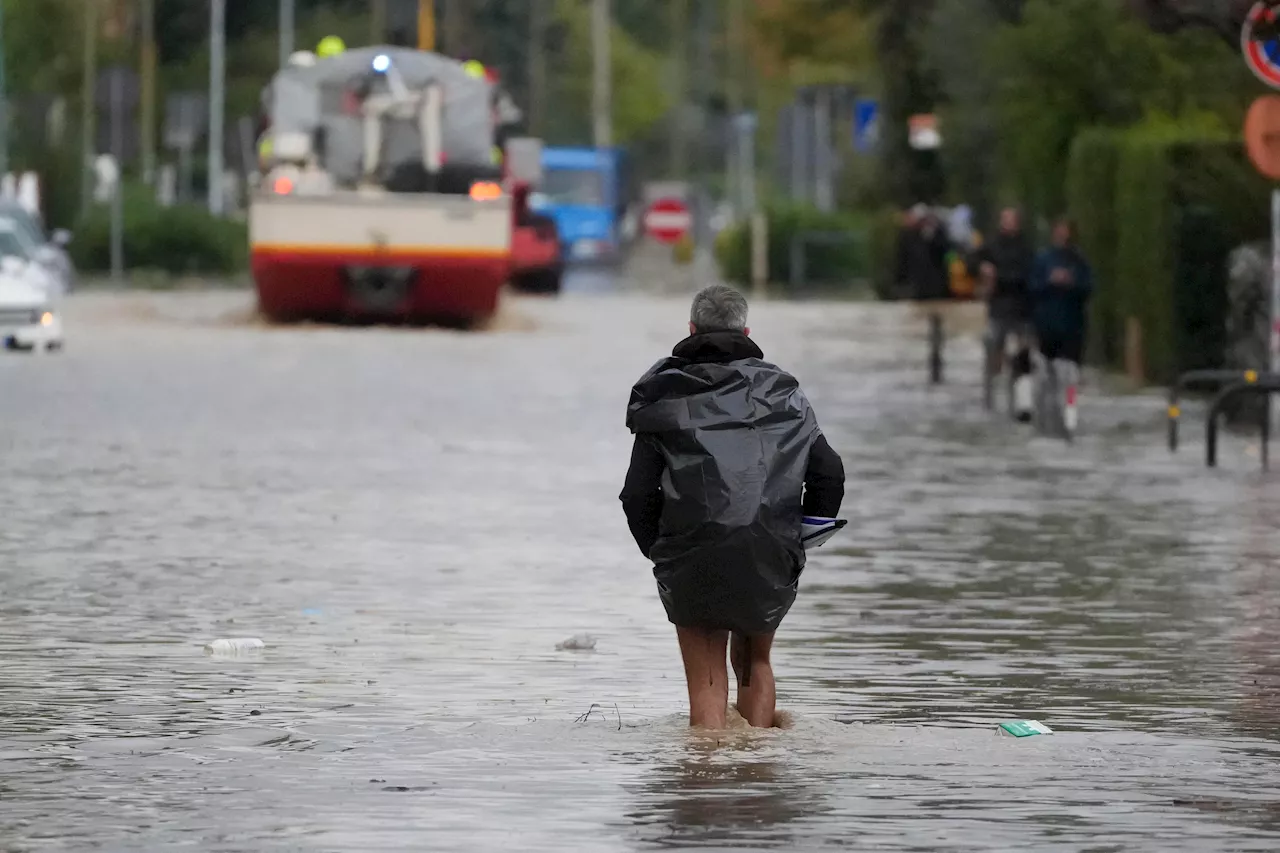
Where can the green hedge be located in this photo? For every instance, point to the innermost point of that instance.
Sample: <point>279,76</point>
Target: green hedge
<point>1159,210</point>
<point>180,240</point>
<point>1091,198</point>
<point>837,264</point>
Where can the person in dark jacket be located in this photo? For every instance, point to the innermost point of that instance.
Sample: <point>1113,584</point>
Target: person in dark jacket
<point>727,460</point>
<point>1004,265</point>
<point>922,256</point>
<point>1061,285</point>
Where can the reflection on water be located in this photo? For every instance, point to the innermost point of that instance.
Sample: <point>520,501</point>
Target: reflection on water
<point>732,789</point>
<point>412,521</point>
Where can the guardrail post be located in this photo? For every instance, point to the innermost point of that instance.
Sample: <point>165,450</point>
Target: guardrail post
<point>936,342</point>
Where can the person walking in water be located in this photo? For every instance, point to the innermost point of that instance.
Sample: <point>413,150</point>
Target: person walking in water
<point>1061,286</point>
<point>727,460</point>
<point>1004,266</point>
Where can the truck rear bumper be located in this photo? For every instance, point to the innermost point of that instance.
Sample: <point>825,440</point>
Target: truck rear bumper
<point>313,284</point>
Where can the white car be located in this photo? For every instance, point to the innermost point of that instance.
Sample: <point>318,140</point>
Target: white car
<point>28,317</point>
<point>18,243</point>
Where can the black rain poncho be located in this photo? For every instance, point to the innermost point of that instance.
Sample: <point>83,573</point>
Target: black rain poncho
<point>734,433</point>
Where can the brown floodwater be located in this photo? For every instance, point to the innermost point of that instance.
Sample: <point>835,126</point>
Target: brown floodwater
<point>411,520</point>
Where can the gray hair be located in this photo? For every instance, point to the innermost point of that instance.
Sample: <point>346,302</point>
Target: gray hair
<point>719,308</point>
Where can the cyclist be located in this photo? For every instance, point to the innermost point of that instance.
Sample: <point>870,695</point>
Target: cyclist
<point>1003,265</point>
<point>1061,284</point>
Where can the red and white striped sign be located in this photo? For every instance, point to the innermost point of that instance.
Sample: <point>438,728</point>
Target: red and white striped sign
<point>667,220</point>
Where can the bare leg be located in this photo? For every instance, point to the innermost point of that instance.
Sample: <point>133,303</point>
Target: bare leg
<point>704,666</point>
<point>757,693</point>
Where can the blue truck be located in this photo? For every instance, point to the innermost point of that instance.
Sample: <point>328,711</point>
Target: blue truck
<point>585,191</point>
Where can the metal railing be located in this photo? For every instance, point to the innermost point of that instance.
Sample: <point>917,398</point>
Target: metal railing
<point>1266,384</point>
<point>1209,380</point>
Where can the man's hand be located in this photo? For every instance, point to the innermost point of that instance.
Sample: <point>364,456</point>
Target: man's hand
<point>1061,276</point>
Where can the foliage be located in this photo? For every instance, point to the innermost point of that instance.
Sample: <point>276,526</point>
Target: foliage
<point>1091,203</point>
<point>39,57</point>
<point>843,264</point>
<point>184,239</point>
<point>1160,208</point>
<point>1047,94</point>
<point>639,98</point>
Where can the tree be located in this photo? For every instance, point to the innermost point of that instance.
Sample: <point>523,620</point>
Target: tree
<point>639,99</point>
<point>1047,91</point>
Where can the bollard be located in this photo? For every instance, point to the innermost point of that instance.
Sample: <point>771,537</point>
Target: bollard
<point>935,348</point>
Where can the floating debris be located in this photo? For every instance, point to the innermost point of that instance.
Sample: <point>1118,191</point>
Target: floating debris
<point>235,646</point>
<point>577,643</point>
<point>1024,728</point>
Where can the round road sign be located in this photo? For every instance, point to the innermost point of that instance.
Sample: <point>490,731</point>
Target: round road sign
<point>1260,42</point>
<point>667,220</point>
<point>1262,135</point>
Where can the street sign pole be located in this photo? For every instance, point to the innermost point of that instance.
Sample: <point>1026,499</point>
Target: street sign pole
<point>1273,408</point>
<point>287,30</point>
<point>217,96</point>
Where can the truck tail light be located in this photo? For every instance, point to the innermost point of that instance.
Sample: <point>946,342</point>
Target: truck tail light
<point>485,191</point>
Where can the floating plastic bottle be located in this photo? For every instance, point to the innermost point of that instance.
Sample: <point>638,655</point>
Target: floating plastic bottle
<point>235,646</point>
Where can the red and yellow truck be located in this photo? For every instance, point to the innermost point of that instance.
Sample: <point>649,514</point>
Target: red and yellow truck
<point>381,199</point>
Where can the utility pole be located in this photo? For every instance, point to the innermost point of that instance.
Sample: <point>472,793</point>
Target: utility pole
<point>454,26</point>
<point>88,130</point>
<point>679,26</point>
<point>217,99</point>
<point>537,65</point>
<point>602,74</point>
<point>4,103</point>
<point>288,29</point>
<point>378,22</point>
<point>427,25</point>
<point>148,91</point>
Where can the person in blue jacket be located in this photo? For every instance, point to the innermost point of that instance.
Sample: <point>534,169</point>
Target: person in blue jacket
<point>1061,284</point>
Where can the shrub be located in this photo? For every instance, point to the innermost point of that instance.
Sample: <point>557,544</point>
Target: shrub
<point>183,239</point>
<point>844,261</point>
<point>1159,209</point>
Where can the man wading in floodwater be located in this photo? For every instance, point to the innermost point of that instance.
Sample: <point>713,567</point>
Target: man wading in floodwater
<point>727,460</point>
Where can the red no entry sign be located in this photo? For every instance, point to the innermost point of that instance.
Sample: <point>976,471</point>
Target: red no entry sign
<point>667,220</point>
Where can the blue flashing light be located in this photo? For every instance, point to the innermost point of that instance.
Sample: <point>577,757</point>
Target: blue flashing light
<point>382,63</point>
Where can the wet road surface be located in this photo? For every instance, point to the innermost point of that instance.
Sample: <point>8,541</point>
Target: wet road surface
<point>412,520</point>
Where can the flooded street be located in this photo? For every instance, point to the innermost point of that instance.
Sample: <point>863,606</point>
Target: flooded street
<point>412,520</point>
